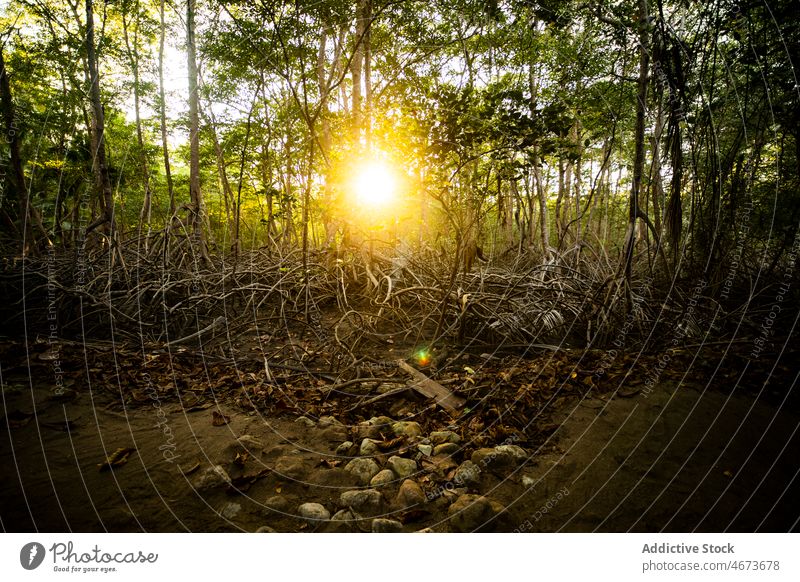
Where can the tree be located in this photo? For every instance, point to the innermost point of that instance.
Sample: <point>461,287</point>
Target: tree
<point>197,209</point>
<point>102,181</point>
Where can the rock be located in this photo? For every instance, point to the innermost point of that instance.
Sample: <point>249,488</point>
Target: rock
<point>313,512</point>
<point>493,460</point>
<point>497,507</point>
<point>519,454</point>
<point>343,449</point>
<point>450,495</point>
<point>211,477</point>
<point>382,422</point>
<point>470,513</point>
<point>366,501</point>
<point>426,450</point>
<point>230,510</point>
<point>343,515</point>
<point>468,474</point>
<point>439,465</point>
<point>266,529</point>
<point>446,449</point>
<point>290,467</point>
<point>407,428</point>
<point>403,467</point>
<point>326,421</point>
<point>334,433</point>
<point>341,522</point>
<point>368,431</point>
<point>250,444</point>
<point>403,408</point>
<point>381,525</point>
<point>364,469</point>
<point>425,530</point>
<point>483,456</point>
<point>444,436</point>
<point>277,503</point>
<point>368,448</point>
<point>304,420</point>
<point>409,495</point>
<point>383,478</point>
<point>528,482</point>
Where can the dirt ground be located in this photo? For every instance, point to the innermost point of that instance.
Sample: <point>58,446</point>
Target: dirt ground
<point>676,459</point>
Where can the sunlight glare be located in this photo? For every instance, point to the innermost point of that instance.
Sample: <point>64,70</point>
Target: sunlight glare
<point>374,184</point>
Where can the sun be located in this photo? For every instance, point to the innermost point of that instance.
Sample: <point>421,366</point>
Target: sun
<point>374,184</point>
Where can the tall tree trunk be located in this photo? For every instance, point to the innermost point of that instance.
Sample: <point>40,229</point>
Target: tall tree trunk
<point>367,17</point>
<point>322,84</point>
<point>195,193</point>
<point>162,110</point>
<point>544,227</point>
<point>237,245</point>
<point>325,137</point>
<point>267,182</point>
<point>559,199</point>
<point>133,58</point>
<point>578,141</point>
<point>227,191</point>
<point>356,68</point>
<point>102,181</point>
<point>638,159</point>
<point>287,208</point>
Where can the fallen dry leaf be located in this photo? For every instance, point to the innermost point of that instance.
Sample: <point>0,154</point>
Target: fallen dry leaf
<point>116,459</point>
<point>439,464</point>
<point>329,463</point>
<point>219,419</point>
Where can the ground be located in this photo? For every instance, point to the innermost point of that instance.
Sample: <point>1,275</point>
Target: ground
<point>679,457</point>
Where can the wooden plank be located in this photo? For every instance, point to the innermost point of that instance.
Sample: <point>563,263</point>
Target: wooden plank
<point>432,389</point>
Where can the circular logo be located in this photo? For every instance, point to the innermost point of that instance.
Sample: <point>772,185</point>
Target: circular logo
<point>31,555</point>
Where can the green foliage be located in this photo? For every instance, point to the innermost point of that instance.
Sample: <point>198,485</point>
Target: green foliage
<point>482,104</point>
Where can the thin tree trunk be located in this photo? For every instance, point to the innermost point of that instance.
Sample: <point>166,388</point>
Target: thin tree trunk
<point>367,17</point>
<point>657,188</point>
<point>195,193</point>
<point>638,160</point>
<point>237,245</point>
<point>162,110</point>
<point>544,227</point>
<point>287,234</point>
<point>133,58</point>
<point>578,140</point>
<point>559,199</point>
<point>219,154</point>
<point>102,181</point>
<point>356,68</point>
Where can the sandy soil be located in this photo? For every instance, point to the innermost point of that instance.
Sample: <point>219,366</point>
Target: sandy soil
<point>673,460</point>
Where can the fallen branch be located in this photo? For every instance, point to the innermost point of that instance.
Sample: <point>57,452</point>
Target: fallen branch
<point>216,323</point>
<point>432,389</point>
<point>379,397</point>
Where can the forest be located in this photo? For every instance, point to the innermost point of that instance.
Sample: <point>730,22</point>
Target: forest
<point>423,239</point>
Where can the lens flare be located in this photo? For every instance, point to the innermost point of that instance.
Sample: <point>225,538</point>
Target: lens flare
<point>423,358</point>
